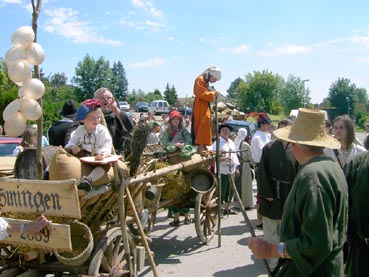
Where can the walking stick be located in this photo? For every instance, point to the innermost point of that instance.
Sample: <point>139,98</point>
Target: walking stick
<point>247,220</point>
<point>217,166</point>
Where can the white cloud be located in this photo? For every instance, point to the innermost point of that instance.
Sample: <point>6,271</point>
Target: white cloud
<point>155,62</point>
<point>242,49</point>
<point>141,25</point>
<point>290,49</point>
<point>148,7</point>
<point>364,60</point>
<point>65,22</point>
<point>11,1</point>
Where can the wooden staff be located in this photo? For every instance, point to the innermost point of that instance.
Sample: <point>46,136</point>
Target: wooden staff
<point>247,220</point>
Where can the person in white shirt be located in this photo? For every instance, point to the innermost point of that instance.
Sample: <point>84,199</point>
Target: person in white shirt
<point>91,139</point>
<point>344,132</point>
<point>228,164</point>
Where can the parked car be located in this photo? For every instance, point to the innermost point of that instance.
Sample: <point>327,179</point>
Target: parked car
<point>249,126</point>
<point>142,107</point>
<point>185,110</point>
<point>159,107</point>
<point>8,144</point>
<point>124,106</point>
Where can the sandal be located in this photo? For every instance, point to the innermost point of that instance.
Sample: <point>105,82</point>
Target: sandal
<point>187,221</point>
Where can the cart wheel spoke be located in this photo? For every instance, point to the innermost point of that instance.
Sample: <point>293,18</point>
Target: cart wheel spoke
<point>205,216</point>
<point>109,254</point>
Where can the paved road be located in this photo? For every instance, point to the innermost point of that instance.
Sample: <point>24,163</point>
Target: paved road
<point>179,253</point>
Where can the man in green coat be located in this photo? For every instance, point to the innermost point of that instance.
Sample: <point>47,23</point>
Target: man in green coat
<point>315,213</point>
<point>357,175</point>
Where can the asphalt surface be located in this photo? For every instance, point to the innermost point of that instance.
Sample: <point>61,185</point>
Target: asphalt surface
<point>178,251</point>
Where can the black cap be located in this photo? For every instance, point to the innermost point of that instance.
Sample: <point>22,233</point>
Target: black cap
<point>69,108</point>
<point>225,126</point>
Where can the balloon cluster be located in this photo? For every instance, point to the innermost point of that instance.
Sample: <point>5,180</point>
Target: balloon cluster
<point>18,60</point>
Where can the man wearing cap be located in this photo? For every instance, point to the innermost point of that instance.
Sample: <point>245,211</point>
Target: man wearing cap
<point>204,94</point>
<point>118,123</point>
<point>228,165</point>
<point>90,139</point>
<point>59,133</point>
<point>314,219</point>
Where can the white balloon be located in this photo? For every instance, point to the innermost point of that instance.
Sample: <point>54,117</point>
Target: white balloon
<point>23,37</point>
<point>35,54</point>
<point>30,108</point>
<point>19,72</point>
<point>10,110</point>
<point>14,55</point>
<point>16,125</point>
<point>19,84</point>
<point>33,89</point>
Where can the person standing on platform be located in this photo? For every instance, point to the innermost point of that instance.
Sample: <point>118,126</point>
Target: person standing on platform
<point>201,114</point>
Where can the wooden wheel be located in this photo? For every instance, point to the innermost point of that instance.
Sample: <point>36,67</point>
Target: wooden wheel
<point>109,256</point>
<point>206,211</point>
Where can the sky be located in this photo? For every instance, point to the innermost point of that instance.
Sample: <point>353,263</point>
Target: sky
<point>173,41</point>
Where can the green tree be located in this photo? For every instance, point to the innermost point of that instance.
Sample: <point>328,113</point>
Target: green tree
<point>260,93</point>
<point>119,82</point>
<point>235,90</point>
<point>91,75</point>
<point>170,95</point>
<point>341,95</point>
<point>293,94</point>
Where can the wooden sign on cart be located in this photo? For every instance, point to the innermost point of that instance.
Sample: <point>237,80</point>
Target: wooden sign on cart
<point>51,198</point>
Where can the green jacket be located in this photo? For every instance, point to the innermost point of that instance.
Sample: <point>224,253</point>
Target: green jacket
<point>314,220</point>
<point>357,175</point>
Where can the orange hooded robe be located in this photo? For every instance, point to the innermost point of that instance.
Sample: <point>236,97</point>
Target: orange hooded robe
<point>201,122</point>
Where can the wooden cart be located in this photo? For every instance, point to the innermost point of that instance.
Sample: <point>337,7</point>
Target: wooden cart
<point>99,234</point>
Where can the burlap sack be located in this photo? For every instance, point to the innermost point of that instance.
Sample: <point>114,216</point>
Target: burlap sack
<point>67,166</point>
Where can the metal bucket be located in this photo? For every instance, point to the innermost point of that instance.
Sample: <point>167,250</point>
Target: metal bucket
<point>201,180</point>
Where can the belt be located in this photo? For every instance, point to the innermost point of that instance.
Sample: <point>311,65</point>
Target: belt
<point>366,241</point>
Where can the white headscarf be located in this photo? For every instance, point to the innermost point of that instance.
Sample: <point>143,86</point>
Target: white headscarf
<point>241,135</point>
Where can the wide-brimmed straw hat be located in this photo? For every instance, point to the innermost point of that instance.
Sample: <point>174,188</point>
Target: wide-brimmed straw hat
<point>308,129</point>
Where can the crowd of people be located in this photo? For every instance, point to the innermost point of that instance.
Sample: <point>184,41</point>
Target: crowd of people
<point>311,176</point>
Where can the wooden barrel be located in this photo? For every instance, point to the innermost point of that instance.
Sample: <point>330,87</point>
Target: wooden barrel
<point>25,165</point>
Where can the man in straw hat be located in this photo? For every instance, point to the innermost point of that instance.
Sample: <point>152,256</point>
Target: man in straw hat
<point>315,213</point>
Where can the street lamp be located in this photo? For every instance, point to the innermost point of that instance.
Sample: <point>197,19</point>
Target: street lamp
<point>304,81</point>
<point>348,105</point>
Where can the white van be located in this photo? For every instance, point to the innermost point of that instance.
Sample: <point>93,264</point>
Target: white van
<point>159,107</point>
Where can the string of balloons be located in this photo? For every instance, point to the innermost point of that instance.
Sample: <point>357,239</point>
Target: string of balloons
<point>24,53</point>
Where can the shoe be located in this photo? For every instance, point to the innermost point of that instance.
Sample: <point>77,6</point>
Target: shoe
<point>187,221</point>
<point>229,211</point>
<point>248,208</point>
<point>85,184</point>
<point>175,223</point>
<point>259,226</point>
<point>46,175</point>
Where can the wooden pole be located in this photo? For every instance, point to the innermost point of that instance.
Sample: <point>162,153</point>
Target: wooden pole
<point>123,226</point>
<point>247,220</point>
<point>35,14</point>
<point>142,233</point>
<point>217,162</point>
